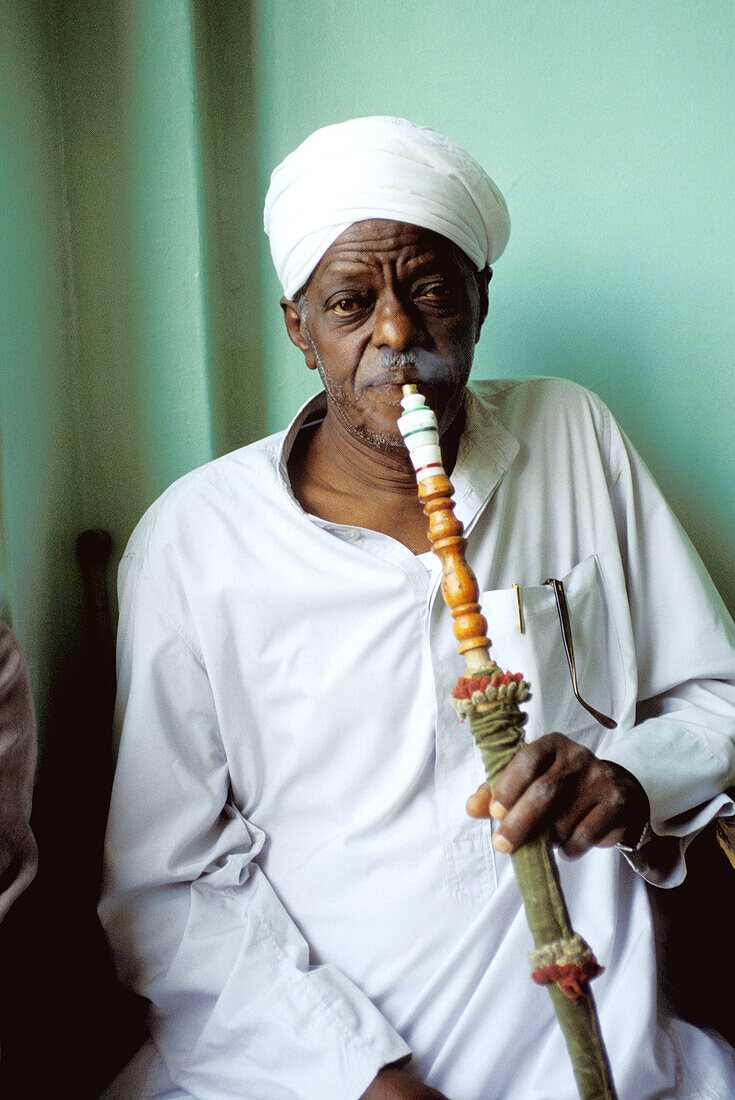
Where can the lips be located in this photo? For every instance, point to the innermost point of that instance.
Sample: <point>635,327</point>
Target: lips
<point>389,380</point>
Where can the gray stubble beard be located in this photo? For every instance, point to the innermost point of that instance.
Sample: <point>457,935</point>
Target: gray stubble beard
<point>382,441</point>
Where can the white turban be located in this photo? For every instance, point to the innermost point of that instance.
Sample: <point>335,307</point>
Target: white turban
<point>378,167</point>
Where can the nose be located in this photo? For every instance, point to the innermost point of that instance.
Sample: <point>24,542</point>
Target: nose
<point>394,325</point>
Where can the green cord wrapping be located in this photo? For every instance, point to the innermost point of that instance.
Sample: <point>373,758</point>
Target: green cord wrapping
<point>498,733</point>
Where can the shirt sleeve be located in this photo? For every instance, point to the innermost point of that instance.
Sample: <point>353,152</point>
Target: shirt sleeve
<point>682,747</point>
<point>195,926</point>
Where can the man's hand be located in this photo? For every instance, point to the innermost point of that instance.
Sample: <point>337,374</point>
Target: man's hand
<point>557,784</point>
<point>393,1084</point>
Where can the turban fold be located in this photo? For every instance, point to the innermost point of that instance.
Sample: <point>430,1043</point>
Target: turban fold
<point>378,167</point>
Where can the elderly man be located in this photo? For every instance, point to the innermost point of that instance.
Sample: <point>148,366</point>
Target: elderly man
<point>293,879</point>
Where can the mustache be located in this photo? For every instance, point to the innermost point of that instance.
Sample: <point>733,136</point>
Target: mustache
<point>398,361</point>
<point>413,366</point>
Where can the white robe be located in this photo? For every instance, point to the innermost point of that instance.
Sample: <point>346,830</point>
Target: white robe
<point>292,878</point>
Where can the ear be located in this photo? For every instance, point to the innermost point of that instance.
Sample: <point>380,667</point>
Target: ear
<point>483,282</point>
<point>296,329</point>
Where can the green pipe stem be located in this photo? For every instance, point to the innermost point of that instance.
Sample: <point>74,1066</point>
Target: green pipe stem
<point>498,733</point>
<point>548,920</point>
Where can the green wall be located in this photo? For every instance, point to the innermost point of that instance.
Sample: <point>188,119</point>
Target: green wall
<point>141,332</point>
<point>138,250</point>
<point>129,328</point>
<point>156,111</point>
<point>41,493</point>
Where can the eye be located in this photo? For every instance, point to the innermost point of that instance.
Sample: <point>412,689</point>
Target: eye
<point>434,292</point>
<point>346,305</point>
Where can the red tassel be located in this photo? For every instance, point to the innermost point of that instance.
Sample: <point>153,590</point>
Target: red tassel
<point>572,978</point>
<point>466,685</point>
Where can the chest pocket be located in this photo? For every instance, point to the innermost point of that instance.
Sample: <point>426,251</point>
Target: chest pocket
<point>539,652</point>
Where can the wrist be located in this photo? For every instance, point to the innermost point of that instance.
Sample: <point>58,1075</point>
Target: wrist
<point>638,810</point>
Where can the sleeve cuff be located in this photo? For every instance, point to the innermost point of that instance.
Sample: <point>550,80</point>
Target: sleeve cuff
<point>660,860</point>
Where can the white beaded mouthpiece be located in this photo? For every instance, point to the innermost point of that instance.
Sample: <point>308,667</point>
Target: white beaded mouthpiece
<point>417,424</point>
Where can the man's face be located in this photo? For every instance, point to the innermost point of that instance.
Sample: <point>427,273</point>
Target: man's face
<point>387,304</point>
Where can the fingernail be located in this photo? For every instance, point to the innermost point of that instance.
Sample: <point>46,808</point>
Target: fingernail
<point>497,810</point>
<point>501,844</point>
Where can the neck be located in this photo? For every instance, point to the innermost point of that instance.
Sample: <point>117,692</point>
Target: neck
<point>371,468</point>
<point>364,466</point>
<point>340,477</point>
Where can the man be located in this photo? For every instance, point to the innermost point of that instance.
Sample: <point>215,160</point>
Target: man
<point>293,880</point>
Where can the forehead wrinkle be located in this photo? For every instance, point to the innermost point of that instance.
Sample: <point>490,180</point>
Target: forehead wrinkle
<point>351,261</point>
<point>380,235</point>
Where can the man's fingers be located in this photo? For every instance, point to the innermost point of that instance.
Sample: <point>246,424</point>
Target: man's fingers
<point>562,828</point>
<point>534,809</point>
<point>593,830</point>
<point>525,766</point>
<point>478,804</point>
